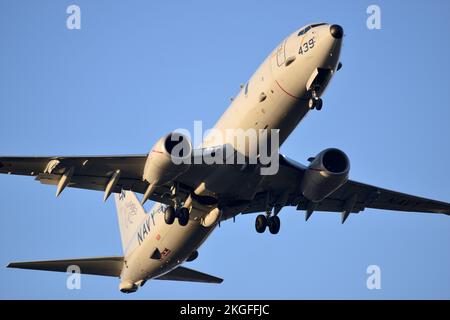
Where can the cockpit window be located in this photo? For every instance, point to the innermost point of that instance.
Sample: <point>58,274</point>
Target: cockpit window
<point>246,89</point>
<point>317,25</point>
<point>306,29</point>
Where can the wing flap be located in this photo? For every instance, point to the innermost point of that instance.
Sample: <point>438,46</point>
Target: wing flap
<point>100,266</point>
<point>186,274</point>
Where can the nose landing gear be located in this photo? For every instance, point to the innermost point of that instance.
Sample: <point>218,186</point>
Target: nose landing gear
<point>314,102</point>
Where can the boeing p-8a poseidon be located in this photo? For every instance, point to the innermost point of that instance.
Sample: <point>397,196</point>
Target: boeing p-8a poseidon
<point>192,197</point>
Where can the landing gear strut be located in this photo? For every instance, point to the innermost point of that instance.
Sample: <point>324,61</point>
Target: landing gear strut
<point>181,213</point>
<point>262,222</point>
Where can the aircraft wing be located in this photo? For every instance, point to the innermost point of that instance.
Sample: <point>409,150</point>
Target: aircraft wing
<point>100,266</point>
<point>368,196</point>
<point>281,189</point>
<point>285,192</point>
<point>98,172</point>
<point>88,172</point>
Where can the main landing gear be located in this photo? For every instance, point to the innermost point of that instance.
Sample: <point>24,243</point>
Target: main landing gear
<point>181,213</point>
<point>314,102</point>
<point>264,221</point>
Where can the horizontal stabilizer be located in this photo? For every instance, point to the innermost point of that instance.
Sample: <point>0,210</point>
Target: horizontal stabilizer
<point>185,274</point>
<point>100,266</point>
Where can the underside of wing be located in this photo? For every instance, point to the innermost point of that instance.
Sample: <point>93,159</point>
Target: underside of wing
<point>368,196</point>
<point>283,189</point>
<point>238,186</point>
<point>109,174</point>
<point>185,274</point>
<point>100,266</point>
<point>130,165</point>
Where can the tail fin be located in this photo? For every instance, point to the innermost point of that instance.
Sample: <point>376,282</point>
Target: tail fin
<point>130,214</point>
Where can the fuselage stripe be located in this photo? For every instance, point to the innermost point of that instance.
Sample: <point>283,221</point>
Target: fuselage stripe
<point>298,98</point>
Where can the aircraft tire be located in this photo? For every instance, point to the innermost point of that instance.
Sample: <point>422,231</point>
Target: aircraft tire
<point>274,224</point>
<point>261,223</point>
<point>319,104</point>
<point>311,103</point>
<point>183,216</point>
<point>169,215</point>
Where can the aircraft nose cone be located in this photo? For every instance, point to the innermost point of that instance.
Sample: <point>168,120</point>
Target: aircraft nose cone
<point>336,31</point>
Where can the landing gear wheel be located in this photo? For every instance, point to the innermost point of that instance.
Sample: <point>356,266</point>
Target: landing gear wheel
<point>315,103</point>
<point>261,223</point>
<point>169,215</point>
<point>319,104</point>
<point>311,103</point>
<point>183,216</point>
<point>274,224</point>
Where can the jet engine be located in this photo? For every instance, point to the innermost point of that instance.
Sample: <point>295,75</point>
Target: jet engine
<point>169,157</point>
<point>327,172</point>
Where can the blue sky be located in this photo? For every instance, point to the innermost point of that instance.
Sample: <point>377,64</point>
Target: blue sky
<point>139,69</point>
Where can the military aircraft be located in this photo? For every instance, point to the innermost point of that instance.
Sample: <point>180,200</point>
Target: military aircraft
<point>192,197</point>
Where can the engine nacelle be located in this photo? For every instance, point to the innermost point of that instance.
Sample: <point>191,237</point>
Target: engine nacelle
<point>326,173</point>
<point>168,158</point>
<point>211,218</point>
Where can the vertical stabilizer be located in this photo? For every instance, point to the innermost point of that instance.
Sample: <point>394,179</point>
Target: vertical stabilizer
<point>130,214</point>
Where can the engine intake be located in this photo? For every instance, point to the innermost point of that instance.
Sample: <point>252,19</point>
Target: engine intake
<point>327,172</point>
<point>168,158</point>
